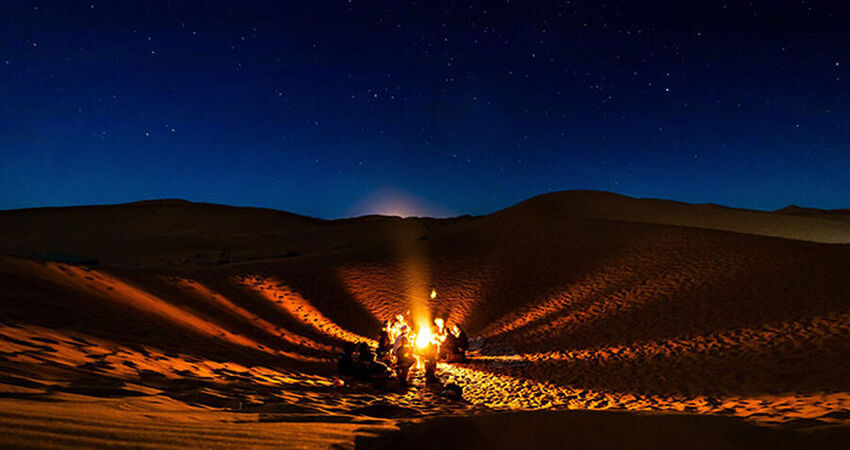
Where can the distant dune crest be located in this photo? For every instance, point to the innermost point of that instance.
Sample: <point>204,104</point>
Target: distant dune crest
<point>791,222</point>
<point>806,224</point>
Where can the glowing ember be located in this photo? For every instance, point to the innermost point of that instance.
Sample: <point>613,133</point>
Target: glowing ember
<point>433,294</point>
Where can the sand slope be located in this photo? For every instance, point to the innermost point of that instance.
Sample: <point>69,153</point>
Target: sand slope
<point>791,223</point>
<point>201,317</point>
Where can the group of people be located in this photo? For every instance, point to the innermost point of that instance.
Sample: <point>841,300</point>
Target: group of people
<point>359,361</point>
<point>401,345</point>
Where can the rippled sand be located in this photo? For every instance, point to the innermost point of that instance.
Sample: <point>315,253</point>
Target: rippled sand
<point>170,341</point>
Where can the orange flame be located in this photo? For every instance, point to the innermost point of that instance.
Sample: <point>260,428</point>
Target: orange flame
<point>424,337</point>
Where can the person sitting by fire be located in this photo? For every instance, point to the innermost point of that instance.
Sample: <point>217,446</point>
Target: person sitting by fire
<point>428,355</point>
<point>365,358</point>
<point>345,363</point>
<point>440,330</point>
<point>449,347</point>
<point>366,368</point>
<point>455,345</point>
<point>401,331</point>
<point>404,357</point>
<point>385,342</point>
<point>440,336</point>
<point>462,339</point>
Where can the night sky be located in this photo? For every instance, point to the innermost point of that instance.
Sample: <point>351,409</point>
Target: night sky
<point>336,108</point>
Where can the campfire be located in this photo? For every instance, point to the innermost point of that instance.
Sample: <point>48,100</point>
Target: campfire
<point>423,335</point>
<point>407,342</point>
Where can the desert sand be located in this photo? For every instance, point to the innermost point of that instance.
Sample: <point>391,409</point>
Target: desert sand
<point>628,322</point>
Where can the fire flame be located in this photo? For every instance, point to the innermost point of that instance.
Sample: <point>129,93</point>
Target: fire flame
<point>433,294</point>
<point>424,337</point>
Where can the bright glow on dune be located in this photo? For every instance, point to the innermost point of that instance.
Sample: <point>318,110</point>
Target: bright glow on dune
<point>299,308</point>
<point>214,297</point>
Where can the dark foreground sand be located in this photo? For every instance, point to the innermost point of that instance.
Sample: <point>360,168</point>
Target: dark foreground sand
<point>601,430</point>
<point>172,324</point>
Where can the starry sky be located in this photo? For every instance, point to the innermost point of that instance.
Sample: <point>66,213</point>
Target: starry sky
<point>335,108</point>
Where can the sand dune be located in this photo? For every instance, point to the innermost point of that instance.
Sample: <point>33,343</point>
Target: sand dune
<point>842,215</point>
<point>806,224</point>
<point>169,323</point>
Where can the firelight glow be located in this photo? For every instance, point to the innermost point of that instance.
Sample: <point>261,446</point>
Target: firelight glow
<point>424,336</point>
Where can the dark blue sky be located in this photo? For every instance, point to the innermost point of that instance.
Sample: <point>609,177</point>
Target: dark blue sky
<point>321,108</point>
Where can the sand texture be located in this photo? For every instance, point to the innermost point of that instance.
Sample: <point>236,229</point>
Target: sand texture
<point>170,324</point>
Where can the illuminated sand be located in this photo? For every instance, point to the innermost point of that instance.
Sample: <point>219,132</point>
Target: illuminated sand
<point>166,343</point>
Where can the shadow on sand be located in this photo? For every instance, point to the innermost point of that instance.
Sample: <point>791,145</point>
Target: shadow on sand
<point>600,430</point>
